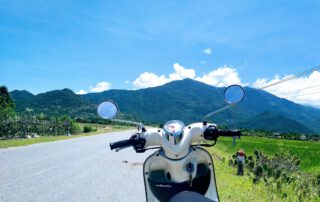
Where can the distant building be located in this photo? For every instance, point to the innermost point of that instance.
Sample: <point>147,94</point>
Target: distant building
<point>276,135</point>
<point>303,137</point>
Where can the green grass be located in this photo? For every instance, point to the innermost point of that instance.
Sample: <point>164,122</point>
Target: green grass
<point>308,152</point>
<point>232,187</point>
<point>100,129</point>
<point>241,188</point>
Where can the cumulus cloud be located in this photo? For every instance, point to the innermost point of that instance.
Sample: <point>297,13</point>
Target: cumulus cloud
<point>181,73</point>
<point>207,51</point>
<point>304,90</point>
<point>81,92</point>
<point>102,86</point>
<point>149,79</point>
<point>222,76</point>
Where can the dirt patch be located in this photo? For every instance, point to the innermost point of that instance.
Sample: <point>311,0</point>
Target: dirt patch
<point>133,163</point>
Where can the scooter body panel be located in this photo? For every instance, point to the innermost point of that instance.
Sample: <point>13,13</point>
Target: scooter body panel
<point>165,177</point>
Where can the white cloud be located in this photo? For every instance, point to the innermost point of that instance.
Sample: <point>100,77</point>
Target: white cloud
<point>149,79</point>
<point>127,82</point>
<point>295,89</point>
<point>223,76</point>
<point>81,92</point>
<point>207,51</point>
<point>101,86</point>
<point>181,73</point>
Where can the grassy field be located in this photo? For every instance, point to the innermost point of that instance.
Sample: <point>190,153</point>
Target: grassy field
<point>232,187</point>
<point>100,129</point>
<point>308,152</point>
<point>241,188</point>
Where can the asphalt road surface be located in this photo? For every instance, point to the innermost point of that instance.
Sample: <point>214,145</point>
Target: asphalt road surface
<point>80,169</point>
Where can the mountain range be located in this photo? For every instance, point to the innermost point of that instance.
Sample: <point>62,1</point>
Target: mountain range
<point>187,100</point>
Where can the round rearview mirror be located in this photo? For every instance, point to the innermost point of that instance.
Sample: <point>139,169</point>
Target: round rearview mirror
<point>107,110</point>
<point>234,94</point>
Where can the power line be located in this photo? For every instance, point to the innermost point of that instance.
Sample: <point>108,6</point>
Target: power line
<point>292,77</point>
<point>301,90</point>
<point>304,94</point>
<point>307,87</point>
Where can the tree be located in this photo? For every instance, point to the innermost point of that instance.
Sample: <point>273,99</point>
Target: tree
<point>7,114</point>
<point>5,99</point>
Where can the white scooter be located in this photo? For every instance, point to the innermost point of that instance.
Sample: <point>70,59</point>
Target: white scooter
<point>179,170</point>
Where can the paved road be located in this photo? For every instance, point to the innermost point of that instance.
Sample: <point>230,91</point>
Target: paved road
<point>81,169</point>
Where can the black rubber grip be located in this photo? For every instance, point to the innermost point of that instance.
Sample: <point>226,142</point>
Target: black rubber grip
<point>120,144</point>
<point>229,133</point>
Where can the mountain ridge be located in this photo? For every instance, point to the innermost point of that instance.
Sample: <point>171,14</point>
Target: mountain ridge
<point>187,100</point>
<point>264,118</point>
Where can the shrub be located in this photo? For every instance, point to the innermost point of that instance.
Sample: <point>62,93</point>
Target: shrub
<point>283,171</point>
<point>88,129</point>
<point>75,128</point>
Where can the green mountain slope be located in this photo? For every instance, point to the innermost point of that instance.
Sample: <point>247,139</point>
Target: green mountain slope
<point>188,100</point>
<point>275,123</point>
<point>57,102</point>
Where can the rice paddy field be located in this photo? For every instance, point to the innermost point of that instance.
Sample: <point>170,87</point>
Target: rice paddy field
<point>307,151</point>
<point>241,188</point>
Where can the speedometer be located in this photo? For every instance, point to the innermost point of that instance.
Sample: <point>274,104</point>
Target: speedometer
<point>173,131</point>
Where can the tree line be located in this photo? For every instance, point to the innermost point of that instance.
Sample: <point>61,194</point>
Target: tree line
<point>287,136</point>
<point>28,123</point>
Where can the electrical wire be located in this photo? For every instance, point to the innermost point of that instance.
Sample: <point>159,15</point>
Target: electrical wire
<point>304,94</point>
<point>308,87</point>
<point>292,77</point>
<point>308,71</point>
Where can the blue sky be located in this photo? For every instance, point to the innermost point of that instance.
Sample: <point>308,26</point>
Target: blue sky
<point>46,45</point>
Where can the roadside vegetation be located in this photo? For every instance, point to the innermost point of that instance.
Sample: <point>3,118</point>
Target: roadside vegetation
<point>29,127</point>
<point>275,170</point>
<point>100,128</point>
<point>287,136</point>
<point>307,151</point>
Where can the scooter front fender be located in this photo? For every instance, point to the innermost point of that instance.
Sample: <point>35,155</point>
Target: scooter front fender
<point>164,177</point>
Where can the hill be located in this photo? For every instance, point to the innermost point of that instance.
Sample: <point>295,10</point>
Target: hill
<point>279,124</point>
<point>57,102</point>
<point>187,100</point>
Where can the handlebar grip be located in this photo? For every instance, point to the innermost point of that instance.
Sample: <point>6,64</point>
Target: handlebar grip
<point>229,133</point>
<point>120,144</point>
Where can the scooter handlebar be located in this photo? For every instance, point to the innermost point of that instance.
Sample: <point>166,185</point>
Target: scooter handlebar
<point>229,133</point>
<point>212,133</point>
<point>135,140</point>
<point>120,144</point>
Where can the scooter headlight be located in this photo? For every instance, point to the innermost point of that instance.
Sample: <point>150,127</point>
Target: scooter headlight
<point>173,130</point>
